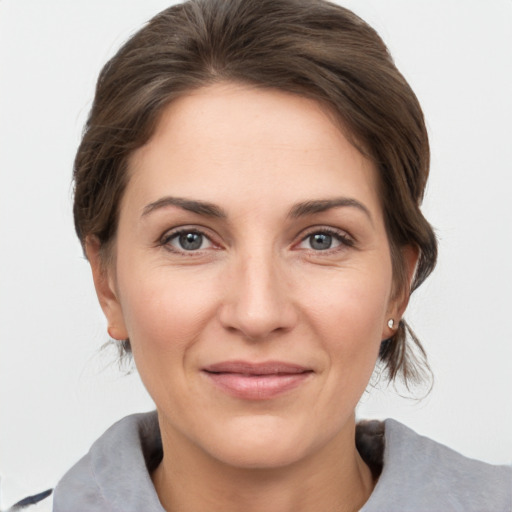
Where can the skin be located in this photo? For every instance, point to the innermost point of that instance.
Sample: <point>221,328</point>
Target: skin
<point>256,290</point>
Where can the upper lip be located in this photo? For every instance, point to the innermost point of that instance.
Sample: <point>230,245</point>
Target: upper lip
<point>263,368</point>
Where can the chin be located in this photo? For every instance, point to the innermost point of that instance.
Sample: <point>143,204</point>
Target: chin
<point>260,443</point>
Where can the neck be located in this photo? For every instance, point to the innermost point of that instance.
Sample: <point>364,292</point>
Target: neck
<point>334,478</point>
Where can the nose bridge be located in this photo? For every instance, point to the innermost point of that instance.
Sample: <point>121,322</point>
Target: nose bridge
<point>258,302</point>
<point>260,282</point>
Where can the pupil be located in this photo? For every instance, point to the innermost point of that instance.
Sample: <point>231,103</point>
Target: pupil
<point>321,241</point>
<point>191,241</point>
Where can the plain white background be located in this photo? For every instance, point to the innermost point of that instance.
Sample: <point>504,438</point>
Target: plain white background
<point>58,392</point>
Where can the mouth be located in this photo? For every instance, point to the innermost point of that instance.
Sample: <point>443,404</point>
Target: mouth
<point>256,381</point>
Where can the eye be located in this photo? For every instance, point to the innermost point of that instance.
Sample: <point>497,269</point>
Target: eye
<point>324,240</point>
<point>321,241</point>
<point>187,240</point>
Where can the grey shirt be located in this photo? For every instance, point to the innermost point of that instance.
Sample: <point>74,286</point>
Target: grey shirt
<point>418,475</point>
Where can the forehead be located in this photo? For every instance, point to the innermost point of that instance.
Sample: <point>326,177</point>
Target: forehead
<point>237,139</point>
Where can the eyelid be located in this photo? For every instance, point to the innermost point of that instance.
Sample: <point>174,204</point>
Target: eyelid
<point>172,233</point>
<point>345,239</point>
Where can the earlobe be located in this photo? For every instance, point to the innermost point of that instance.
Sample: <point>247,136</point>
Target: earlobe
<point>397,306</point>
<point>105,289</point>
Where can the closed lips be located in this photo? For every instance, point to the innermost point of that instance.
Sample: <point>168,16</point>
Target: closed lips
<point>260,381</point>
<point>256,369</point>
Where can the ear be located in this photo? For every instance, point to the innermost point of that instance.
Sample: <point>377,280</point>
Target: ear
<point>398,303</point>
<point>104,283</point>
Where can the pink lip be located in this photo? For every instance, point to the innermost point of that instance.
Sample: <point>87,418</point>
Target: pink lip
<point>256,381</point>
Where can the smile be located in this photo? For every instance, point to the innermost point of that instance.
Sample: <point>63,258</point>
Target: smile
<point>256,381</point>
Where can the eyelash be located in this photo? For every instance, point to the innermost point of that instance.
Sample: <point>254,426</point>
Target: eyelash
<point>340,236</point>
<point>174,234</point>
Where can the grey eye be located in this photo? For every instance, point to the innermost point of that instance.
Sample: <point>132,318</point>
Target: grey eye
<point>190,241</point>
<point>186,240</point>
<point>320,241</point>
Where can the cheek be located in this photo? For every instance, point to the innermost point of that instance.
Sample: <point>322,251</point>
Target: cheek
<point>165,314</point>
<point>351,307</point>
<point>348,314</point>
<point>166,310</point>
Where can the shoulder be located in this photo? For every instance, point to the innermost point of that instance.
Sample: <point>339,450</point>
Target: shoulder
<point>115,474</point>
<point>422,475</point>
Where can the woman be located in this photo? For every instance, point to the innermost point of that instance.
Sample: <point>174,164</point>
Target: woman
<point>247,193</point>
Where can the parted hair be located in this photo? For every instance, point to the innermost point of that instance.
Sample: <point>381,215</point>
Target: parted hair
<point>311,48</point>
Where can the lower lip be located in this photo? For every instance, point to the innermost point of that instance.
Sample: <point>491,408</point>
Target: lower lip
<point>257,387</point>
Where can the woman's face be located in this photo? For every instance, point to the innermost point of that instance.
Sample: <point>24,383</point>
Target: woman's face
<point>252,275</point>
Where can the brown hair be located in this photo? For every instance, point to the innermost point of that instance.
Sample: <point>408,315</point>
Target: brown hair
<point>307,47</point>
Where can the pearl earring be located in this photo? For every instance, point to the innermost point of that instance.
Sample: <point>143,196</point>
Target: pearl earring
<point>391,323</point>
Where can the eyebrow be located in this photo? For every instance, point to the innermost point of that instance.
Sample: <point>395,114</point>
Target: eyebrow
<point>322,205</point>
<point>299,210</point>
<point>191,205</point>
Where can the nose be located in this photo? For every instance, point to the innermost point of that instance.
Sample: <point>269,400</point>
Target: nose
<point>257,302</point>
